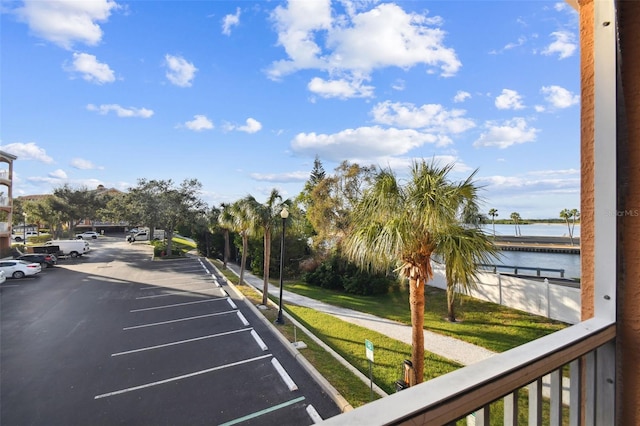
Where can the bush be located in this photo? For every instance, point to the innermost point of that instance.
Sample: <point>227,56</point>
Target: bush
<point>338,274</point>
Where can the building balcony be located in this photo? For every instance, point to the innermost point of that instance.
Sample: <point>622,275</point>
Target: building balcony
<point>468,393</point>
<point>5,228</point>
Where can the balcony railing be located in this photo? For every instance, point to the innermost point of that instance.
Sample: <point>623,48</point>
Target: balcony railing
<point>4,174</point>
<point>4,227</point>
<point>471,390</point>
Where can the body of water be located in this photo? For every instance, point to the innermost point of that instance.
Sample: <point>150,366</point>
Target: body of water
<point>534,229</point>
<point>569,262</point>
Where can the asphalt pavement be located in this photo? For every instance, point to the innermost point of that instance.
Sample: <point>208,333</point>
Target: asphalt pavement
<point>116,338</point>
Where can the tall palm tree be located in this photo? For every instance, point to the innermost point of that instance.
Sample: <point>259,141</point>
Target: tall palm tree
<point>264,218</point>
<point>400,226</point>
<point>226,222</point>
<point>493,213</point>
<point>566,215</point>
<point>243,225</point>
<point>515,217</point>
<point>575,215</point>
<point>462,249</point>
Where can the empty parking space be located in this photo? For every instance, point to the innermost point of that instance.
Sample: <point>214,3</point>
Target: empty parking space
<point>184,332</point>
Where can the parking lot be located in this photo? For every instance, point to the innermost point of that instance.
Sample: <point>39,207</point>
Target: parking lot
<point>123,339</point>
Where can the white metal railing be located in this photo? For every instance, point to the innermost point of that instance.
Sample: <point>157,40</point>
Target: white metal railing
<point>4,174</point>
<point>4,201</point>
<point>471,390</point>
<point>4,226</point>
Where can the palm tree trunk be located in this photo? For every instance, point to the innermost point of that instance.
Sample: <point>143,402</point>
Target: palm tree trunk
<point>227,249</point>
<point>416,302</point>
<point>451,297</point>
<point>243,259</point>
<point>266,262</point>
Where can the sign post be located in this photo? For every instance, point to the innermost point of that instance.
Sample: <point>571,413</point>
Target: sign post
<point>368,345</point>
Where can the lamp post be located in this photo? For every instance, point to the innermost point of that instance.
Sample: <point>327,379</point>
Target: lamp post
<point>24,227</point>
<point>284,214</point>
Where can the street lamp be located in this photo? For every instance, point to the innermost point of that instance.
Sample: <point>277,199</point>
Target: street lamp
<point>284,214</point>
<point>24,227</point>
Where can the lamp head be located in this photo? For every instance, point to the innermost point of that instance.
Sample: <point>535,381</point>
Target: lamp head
<point>284,213</point>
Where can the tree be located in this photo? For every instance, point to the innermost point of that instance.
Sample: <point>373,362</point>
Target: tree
<point>160,203</point>
<point>515,217</point>
<point>225,220</point>
<point>462,249</point>
<point>243,225</point>
<point>493,213</point>
<point>397,226</point>
<point>331,202</point>
<point>575,215</point>
<point>264,216</point>
<point>76,205</point>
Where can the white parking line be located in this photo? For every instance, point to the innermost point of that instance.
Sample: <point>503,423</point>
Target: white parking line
<point>178,320</point>
<point>287,379</point>
<point>258,340</point>
<point>184,376</point>
<point>315,417</point>
<point>176,304</point>
<point>242,318</point>
<point>233,305</point>
<point>175,293</point>
<point>263,412</point>
<point>180,342</point>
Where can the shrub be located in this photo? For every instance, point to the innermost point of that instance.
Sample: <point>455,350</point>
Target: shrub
<point>338,274</point>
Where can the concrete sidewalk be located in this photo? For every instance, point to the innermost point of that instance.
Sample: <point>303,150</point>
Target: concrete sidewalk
<point>446,347</point>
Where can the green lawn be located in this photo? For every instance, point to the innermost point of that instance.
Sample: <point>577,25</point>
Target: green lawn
<point>348,340</point>
<point>494,327</point>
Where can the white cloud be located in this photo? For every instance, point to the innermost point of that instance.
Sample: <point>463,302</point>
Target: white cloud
<point>342,89</point>
<point>91,69</point>
<point>362,143</point>
<point>28,151</point>
<point>398,85</point>
<point>351,46</point>
<point>82,164</point>
<point>509,99</point>
<point>281,177</point>
<point>230,21</point>
<point>65,22</point>
<point>564,44</point>
<point>559,97</point>
<point>121,111</point>
<point>511,132</point>
<point>58,174</point>
<point>461,96</point>
<point>251,126</point>
<point>428,117</point>
<point>199,123</point>
<point>181,72</point>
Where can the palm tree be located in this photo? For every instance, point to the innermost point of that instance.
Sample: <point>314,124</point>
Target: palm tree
<point>225,220</point>
<point>493,213</point>
<point>515,217</point>
<point>400,226</point>
<point>243,225</point>
<point>462,249</point>
<point>264,217</point>
<point>575,215</point>
<point>566,215</point>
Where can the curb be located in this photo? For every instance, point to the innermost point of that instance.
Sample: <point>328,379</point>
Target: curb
<point>340,401</point>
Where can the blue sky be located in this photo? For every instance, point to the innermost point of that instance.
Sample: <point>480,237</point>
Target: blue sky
<point>242,95</point>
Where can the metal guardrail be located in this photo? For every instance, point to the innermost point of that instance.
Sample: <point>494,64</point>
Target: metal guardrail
<point>495,268</point>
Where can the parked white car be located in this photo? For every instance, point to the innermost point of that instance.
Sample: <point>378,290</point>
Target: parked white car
<point>87,235</point>
<point>19,268</point>
<point>3,276</point>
